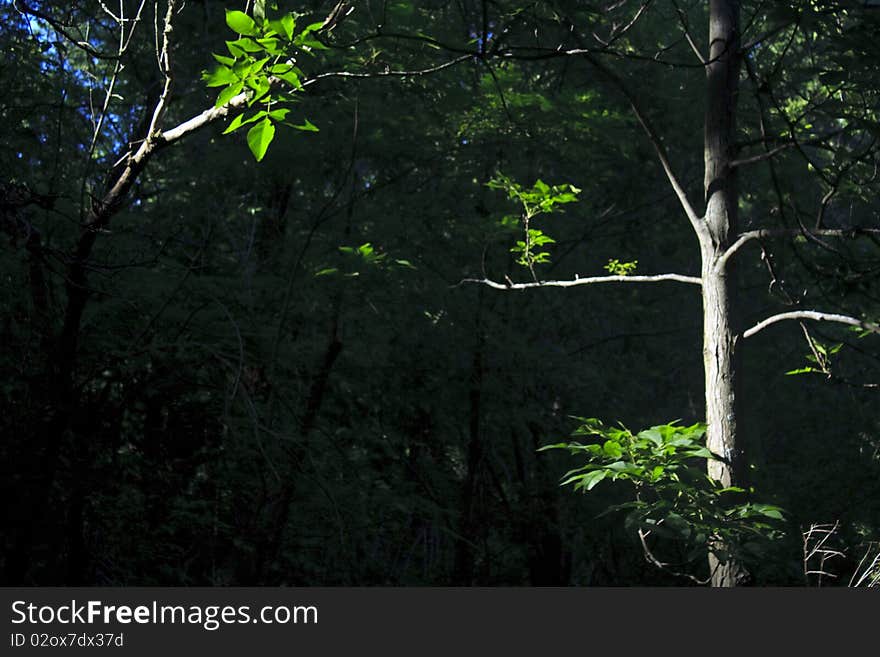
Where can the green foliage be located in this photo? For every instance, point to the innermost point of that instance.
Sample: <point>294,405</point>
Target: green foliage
<point>526,248</point>
<point>259,137</point>
<point>617,268</point>
<point>674,499</point>
<point>819,358</point>
<point>357,258</point>
<point>261,59</point>
<point>539,199</point>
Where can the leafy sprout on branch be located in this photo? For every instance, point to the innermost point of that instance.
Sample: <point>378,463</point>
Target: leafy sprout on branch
<point>617,268</point>
<point>536,200</point>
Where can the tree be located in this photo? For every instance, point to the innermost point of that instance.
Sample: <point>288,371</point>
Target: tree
<point>717,226</point>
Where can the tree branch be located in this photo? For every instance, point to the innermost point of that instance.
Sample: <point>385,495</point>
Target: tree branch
<point>165,68</point>
<point>389,73</point>
<point>64,31</point>
<point>201,120</point>
<point>682,18</point>
<point>698,224</point>
<point>592,280</point>
<point>812,315</point>
<point>766,155</point>
<point>764,233</point>
<point>236,102</point>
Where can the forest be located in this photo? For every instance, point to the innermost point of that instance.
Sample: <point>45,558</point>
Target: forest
<point>440,293</point>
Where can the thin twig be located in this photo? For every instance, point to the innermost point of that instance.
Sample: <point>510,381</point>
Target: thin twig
<point>650,558</point>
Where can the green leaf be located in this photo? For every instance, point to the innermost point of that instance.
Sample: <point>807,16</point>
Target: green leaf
<point>279,114</point>
<point>270,46</point>
<point>234,125</point>
<point>653,435</point>
<point>243,46</point>
<point>769,511</point>
<point>555,446</point>
<point>256,117</point>
<point>219,77</point>
<point>700,452</point>
<point>589,480</point>
<point>240,22</point>
<point>259,137</point>
<point>229,93</point>
<point>307,43</point>
<point>291,78</point>
<point>261,87</point>
<point>312,27</point>
<point>612,449</point>
<point>260,11</point>
<point>284,25</point>
<point>288,24</point>
<point>308,126</point>
<point>226,61</point>
<point>257,66</point>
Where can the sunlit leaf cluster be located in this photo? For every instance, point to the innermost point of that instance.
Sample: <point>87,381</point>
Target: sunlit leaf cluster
<point>262,65</point>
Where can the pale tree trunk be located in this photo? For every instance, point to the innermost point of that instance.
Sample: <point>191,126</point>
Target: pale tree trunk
<point>719,336</point>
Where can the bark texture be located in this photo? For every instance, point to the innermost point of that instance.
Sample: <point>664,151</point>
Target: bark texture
<point>719,336</point>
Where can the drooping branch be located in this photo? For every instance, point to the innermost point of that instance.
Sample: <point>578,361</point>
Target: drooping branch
<point>814,316</point>
<point>592,280</point>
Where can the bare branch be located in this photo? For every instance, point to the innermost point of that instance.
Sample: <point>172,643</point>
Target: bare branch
<point>389,73</point>
<point>815,539</point>
<point>134,164</point>
<point>682,18</point>
<point>761,157</point>
<point>868,575</point>
<point>592,280</point>
<point>698,224</point>
<point>64,31</point>
<point>165,67</point>
<point>619,31</point>
<point>765,233</point>
<point>812,315</point>
<point>766,155</point>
